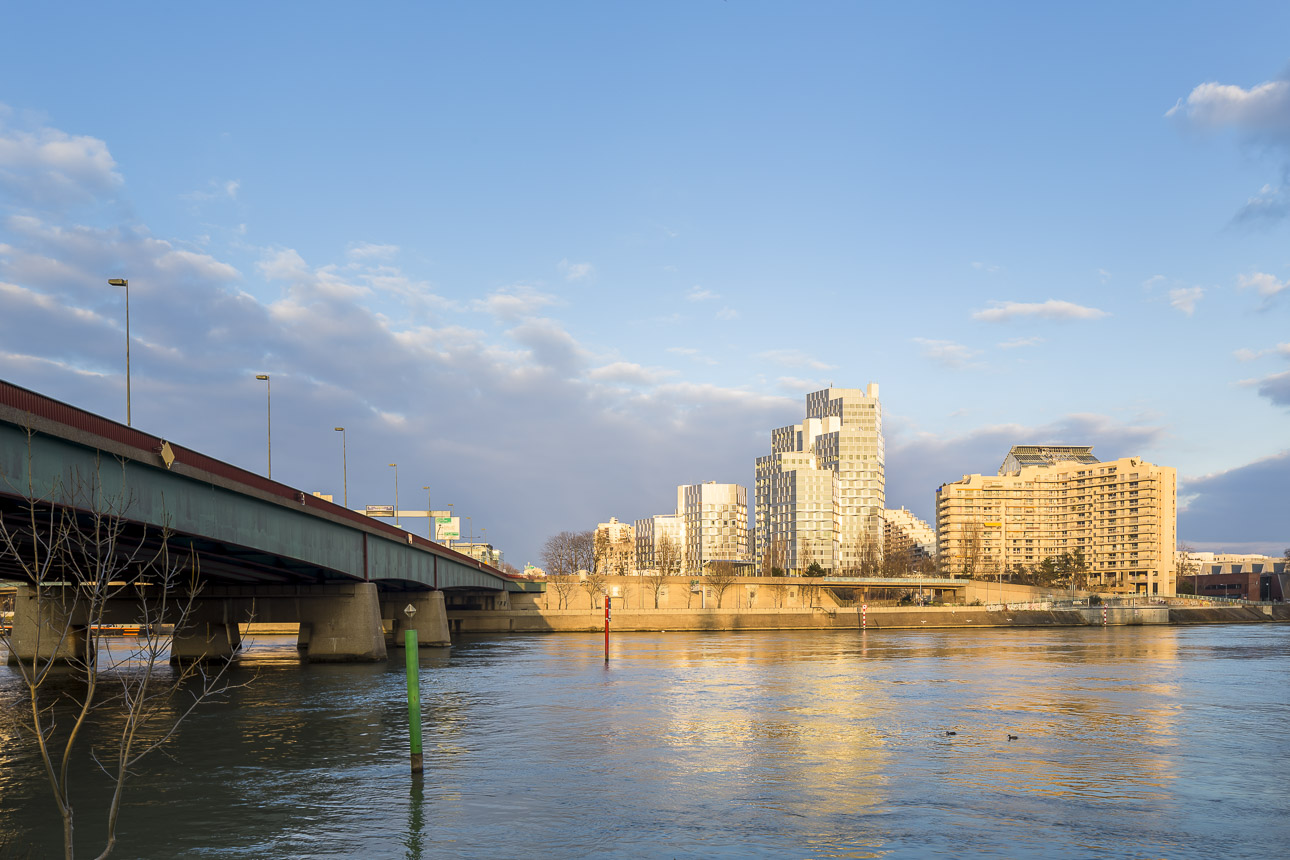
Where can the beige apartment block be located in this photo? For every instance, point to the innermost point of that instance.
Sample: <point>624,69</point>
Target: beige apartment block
<point>716,525</point>
<point>905,534</point>
<point>617,541</point>
<point>1121,514</point>
<point>820,493</point>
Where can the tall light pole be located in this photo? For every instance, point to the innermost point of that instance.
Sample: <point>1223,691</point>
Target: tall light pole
<point>122,282</point>
<point>344,464</point>
<point>395,467</point>
<point>429,513</point>
<point>472,533</point>
<point>268,405</point>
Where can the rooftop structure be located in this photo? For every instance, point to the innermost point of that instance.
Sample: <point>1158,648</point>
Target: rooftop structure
<point>1045,455</point>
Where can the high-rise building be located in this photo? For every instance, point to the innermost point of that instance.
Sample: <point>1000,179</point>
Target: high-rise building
<point>650,532</point>
<point>617,544</point>
<point>820,493</point>
<point>716,524</point>
<point>1121,516</point>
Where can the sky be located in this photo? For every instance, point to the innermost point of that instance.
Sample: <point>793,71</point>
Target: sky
<point>555,259</point>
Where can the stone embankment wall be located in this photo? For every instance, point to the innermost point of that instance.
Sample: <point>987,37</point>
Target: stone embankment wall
<point>848,618</point>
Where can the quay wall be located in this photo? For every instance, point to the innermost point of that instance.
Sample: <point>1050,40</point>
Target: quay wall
<point>848,618</point>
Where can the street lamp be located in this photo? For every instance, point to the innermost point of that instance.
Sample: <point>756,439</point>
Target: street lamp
<point>429,514</point>
<point>122,282</point>
<point>344,464</point>
<point>268,405</point>
<point>472,533</point>
<point>395,467</point>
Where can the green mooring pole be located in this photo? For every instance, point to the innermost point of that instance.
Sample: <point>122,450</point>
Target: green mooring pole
<point>414,697</point>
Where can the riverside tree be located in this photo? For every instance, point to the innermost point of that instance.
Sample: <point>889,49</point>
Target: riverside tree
<point>560,557</point>
<point>667,561</point>
<point>80,557</point>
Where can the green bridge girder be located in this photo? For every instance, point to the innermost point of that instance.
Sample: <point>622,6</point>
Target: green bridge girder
<point>245,529</point>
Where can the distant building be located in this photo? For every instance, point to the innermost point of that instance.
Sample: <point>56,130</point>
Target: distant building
<point>619,546</point>
<point>480,552</point>
<point>904,533</point>
<point>820,493</point>
<point>716,525</point>
<point>651,531</point>
<point>1249,577</point>
<point>1121,515</point>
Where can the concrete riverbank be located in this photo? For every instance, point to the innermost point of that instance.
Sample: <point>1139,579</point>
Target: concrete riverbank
<point>853,618</point>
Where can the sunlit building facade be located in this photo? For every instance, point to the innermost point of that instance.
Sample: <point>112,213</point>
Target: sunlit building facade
<point>617,543</point>
<point>1121,515</point>
<point>820,493</point>
<point>651,531</point>
<point>904,534</point>
<point>716,524</point>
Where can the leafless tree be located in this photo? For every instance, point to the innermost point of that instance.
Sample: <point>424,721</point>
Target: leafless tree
<point>560,556</point>
<point>1185,566</point>
<point>720,575</point>
<point>970,551</point>
<point>591,548</point>
<point>80,557</point>
<point>667,560</point>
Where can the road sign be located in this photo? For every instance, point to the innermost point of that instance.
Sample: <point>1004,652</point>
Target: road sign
<point>447,528</point>
<point>380,510</point>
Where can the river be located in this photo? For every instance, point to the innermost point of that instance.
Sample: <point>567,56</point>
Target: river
<point>1142,742</point>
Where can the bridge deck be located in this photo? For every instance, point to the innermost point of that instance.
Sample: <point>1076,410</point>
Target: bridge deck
<point>246,528</point>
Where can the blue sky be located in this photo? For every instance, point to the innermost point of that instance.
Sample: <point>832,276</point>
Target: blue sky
<point>554,259</point>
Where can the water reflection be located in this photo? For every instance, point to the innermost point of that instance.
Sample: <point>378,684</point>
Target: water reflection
<point>810,744</point>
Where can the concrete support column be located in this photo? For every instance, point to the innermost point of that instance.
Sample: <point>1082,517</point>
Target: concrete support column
<point>42,629</point>
<point>205,640</point>
<point>344,625</point>
<point>430,619</point>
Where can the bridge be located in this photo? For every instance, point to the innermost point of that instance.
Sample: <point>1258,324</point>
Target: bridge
<point>263,547</point>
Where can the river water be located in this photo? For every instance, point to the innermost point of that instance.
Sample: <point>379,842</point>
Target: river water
<point>1151,742</point>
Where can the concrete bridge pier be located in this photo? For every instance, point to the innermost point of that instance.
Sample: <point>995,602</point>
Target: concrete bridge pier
<point>430,619</point>
<point>204,641</point>
<point>44,629</point>
<point>343,625</point>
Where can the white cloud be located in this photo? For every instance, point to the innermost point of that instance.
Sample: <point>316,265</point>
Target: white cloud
<point>371,251</point>
<point>1053,309</point>
<point>947,352</point>
<point>1264,108</point>
<point>797,385</point>
<point>1103,275</point>
<point>46,166</point>
<point>1267,286</point>
<point>727,314</point>
<point>986,267</point>
<point>629,373</point>
<point>1018,342</point>
<point>513,303</point>
<point>692,354</point>
<point>215,189</point>
<point>1185,298</point>
<point>795,358</point>
<point>575,271</point>
<point>699,294</point>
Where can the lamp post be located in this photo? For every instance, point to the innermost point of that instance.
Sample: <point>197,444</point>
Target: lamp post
<point>395,467</point>
<point>268,405</point>
<point>483,538</point>
<point>344,464</point>
<point>429,514</point>
<point>472,533</point>
<point>122,282</point>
